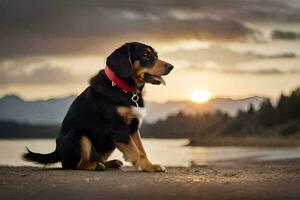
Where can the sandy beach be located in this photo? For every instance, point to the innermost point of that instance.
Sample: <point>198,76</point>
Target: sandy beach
<point>230,180</point>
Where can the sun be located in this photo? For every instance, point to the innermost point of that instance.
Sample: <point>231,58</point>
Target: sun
<point>200,96</point>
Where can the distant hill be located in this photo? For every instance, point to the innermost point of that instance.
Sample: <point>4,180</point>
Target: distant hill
<point>52,111</point>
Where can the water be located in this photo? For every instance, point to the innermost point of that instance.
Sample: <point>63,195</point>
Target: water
<point>169,152</point>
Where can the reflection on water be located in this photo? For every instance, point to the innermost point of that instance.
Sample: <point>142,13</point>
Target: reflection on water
<point>170,152</point>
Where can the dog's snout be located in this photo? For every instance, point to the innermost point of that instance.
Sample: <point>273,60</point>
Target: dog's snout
<point>169,66</point>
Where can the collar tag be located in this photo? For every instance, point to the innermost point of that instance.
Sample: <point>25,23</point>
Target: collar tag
<point>135,98</point>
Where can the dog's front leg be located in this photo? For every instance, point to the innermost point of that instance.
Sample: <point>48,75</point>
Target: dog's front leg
<point>137,157</point>
<point>136,137</point>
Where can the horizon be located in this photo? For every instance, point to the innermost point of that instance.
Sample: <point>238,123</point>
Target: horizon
<point>274,98</point>
<point>167,101</point>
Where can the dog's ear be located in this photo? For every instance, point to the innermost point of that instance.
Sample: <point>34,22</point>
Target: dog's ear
<point>119,61</point>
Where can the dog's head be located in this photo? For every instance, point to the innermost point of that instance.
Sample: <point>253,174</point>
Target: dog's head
<point>138,62</point>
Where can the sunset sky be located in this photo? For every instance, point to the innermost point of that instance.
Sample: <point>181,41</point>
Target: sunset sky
<point>232,48</point>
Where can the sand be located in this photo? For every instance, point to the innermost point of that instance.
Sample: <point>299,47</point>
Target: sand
<point>231,180</point>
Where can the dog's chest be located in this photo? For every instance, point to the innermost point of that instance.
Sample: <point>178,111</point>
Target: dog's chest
<point>128,113</point>
<point>139,113</point>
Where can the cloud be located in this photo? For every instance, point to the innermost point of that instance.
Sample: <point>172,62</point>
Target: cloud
<point>42,75</point>
<point>30,28</point>
<point>260,71</point>
<point>223,56</point>
<point>272,56</point>
<point>285,35</point>
<point>238,71</point>
<point>44,29</point>
<point>253,11</point>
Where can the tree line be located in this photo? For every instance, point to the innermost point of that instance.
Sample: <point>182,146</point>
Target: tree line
<point>23,130</point>
<point>280,119</point>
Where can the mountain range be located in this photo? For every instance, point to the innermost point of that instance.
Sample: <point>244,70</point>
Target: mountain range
<point>52,111</point>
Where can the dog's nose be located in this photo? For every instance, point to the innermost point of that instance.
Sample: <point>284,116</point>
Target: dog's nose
<point>169,66</point>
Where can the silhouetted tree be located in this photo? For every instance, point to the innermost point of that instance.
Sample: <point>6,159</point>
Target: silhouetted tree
<point>267,114</point>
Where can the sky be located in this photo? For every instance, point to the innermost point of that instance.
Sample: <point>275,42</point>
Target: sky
<point>232,48</point>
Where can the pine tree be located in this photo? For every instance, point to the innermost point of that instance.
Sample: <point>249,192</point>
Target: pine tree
<point>267,113</point>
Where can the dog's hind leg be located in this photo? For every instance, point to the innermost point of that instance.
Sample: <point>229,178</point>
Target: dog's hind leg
<point>84,162</point>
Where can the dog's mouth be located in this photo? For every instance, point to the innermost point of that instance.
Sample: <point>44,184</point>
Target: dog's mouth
<point>154,79</point>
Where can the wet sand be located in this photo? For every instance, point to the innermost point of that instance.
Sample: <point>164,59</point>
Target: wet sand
<point>231,180</point>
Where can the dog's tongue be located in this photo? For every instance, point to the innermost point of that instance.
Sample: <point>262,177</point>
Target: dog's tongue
<point>160,79</point>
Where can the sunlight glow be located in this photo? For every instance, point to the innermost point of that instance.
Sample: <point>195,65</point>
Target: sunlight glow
<point>200,96</point>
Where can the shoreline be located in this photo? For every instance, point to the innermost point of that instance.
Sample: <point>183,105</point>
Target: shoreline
<point>224,180</point>
<point>246,142</point>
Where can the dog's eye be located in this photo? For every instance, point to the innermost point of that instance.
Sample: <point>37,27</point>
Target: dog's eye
<point>146,54</point>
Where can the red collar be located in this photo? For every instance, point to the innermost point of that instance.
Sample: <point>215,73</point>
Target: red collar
<point>117,81</point>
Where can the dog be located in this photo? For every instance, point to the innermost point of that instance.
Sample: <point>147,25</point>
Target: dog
<point>108,114</point>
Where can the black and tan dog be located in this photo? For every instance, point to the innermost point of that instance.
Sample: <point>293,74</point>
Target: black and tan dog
<point>107,115</point>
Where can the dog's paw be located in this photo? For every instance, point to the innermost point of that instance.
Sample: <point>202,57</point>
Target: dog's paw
<point>99,167</point>
<point>159,168</point>
<point>113,164</point>
<point>154,168</point>
<point>118,163</point>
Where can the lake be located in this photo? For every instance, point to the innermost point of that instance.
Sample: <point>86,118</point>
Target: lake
<point>169,152</point>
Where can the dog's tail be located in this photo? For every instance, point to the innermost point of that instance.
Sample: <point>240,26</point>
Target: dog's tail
<point>45,159</point>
